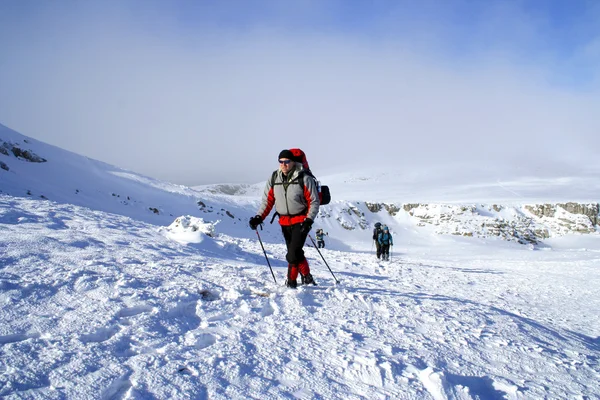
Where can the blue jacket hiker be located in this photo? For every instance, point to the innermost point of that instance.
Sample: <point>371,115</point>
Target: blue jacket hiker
<point>320,238</point>
<point>385,240</point>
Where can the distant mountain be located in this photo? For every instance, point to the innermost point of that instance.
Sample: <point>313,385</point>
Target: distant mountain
<point>30,168</point>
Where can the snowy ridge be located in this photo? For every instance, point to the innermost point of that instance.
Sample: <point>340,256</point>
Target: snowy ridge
<point>525,224</point>
<point>70,178</point>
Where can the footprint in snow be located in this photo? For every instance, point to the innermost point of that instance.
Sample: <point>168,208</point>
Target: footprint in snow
<point>119,388</point>
<point>308,300</point>
<point>17,338</point>
<point>100,335</point>
<point>136,310</point>
<point>205,340</point>
<point>269,309</point>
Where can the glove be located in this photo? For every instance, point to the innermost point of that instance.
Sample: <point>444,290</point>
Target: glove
<point>255,221</point>
<point>306,225</point>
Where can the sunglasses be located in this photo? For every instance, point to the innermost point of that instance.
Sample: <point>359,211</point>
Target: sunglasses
<point>286,162</point>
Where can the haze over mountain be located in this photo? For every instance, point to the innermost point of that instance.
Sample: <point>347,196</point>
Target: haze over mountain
<point>408,84</point>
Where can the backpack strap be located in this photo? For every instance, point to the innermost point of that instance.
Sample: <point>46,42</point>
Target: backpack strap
<point>276,214</point>
<point>299,180</point>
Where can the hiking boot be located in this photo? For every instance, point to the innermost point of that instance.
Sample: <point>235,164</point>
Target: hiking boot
<point>292,284</point>
<point>308,280</point>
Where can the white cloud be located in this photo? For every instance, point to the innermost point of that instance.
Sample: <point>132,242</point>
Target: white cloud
<point>107,86</point>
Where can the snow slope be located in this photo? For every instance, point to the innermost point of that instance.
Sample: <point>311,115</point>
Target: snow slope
<point>105,300</point>
<point>97,305</point>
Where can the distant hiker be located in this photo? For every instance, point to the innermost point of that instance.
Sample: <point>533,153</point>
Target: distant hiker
<point>385,241</point>
<point>296,199</point>
<point>376,233</point>
<point>320,238</point>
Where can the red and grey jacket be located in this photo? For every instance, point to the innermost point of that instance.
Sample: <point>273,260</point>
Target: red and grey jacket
<point>295,197</point>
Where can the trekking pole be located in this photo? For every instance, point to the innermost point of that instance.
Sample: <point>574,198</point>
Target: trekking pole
<point>263,248</point>
<point>311,239</point>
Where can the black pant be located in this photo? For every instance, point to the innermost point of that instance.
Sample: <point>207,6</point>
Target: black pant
<point>321,243</point>
<point>378,245</point>
<point>294,240</point>
<point>385,251</point>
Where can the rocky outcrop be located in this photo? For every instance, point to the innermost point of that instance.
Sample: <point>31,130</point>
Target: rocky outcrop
<point>564,218</point>
<point>410,206</point>
<point>550,210</point>
<point>374,207</point>
<point>528,224</point>
<point>26,155</point>
<point>391,208</point>
<point>355,218</point>
<point>207,208</point>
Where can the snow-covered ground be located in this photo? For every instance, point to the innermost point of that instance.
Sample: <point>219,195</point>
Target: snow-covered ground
<point>103,298</point>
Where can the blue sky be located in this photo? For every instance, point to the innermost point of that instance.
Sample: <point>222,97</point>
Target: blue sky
<point>195,77</point>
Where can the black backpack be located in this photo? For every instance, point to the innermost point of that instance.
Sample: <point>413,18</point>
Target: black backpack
<point>377,230</point>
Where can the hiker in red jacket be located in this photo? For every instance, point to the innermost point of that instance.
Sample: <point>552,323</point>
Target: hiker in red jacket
<point>295,196</point>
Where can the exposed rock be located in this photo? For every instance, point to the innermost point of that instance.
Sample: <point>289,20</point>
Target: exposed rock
<point>392,209</point>
<point>4,166</point>
<point>323,213</point>
<point>409,206</point>
<point>373,207</point>
<point>355,218</point>
<point>482,221</point>
<point>204,207</point>
<point>567,217</point>
<point>528,224</point>
<point>589,210</point>
<point>542,210</point>
<point>348,225</point>
<point>6,147</point>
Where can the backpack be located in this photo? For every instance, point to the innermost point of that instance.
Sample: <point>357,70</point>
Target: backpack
<point>377,230</point>
<point>324,194</point>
